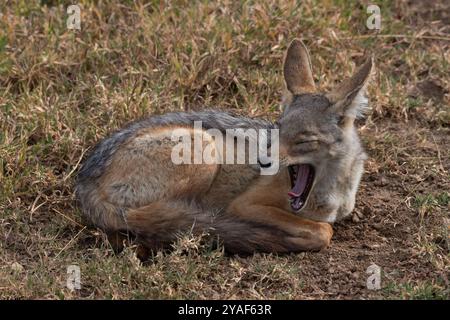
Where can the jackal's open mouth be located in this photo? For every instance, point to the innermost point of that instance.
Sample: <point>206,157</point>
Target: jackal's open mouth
<point>302,179</point>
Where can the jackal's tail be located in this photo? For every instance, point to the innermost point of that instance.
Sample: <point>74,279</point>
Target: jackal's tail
<point>157,226</point>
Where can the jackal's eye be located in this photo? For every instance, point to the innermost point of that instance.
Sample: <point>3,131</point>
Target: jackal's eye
<point>307,141</point>
<point>306,145</point>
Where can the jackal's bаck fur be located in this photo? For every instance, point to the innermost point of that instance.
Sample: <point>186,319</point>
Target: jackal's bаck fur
<point>130,186</point>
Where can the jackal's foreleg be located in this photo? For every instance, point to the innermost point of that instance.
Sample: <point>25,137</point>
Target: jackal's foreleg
<point>301,234</point>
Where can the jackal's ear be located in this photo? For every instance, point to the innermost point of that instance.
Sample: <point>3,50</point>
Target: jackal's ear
<point>297,69</point>
<point>349,98</point>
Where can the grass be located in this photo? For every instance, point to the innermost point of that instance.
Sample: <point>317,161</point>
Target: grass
<point>62,90</point>
<point>418,291</point>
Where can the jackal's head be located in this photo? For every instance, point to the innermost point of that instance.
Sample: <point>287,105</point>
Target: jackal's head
<point>316,127</point>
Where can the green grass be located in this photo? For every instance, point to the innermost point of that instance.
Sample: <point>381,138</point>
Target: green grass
<point>418,291</point>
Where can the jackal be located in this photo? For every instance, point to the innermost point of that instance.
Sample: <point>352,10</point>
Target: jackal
<point>130,186</point>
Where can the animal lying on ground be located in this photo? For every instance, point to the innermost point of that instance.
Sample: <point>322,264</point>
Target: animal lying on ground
<point>130,186</point>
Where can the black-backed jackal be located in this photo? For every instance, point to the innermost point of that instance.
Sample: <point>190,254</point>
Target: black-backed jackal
<point>129,185</point>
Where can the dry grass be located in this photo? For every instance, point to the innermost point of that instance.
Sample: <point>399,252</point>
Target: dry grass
<point>62,90</point>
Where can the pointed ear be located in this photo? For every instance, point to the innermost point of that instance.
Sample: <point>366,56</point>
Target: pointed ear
<point>297,69</point>
<point>349,98</point>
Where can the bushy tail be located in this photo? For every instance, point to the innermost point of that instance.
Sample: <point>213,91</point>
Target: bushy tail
<point>157,226</point>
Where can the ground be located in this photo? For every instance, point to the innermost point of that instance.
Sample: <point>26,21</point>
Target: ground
<point>62,90</point>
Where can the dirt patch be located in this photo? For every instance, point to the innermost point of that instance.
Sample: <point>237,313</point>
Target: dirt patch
<point>428,89</point>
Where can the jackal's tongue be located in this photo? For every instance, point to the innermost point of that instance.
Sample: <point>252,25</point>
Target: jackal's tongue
<point>300,182</point>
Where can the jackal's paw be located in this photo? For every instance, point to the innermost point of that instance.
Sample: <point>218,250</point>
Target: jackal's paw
<point>316,240</point>
<point>326,233</point>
